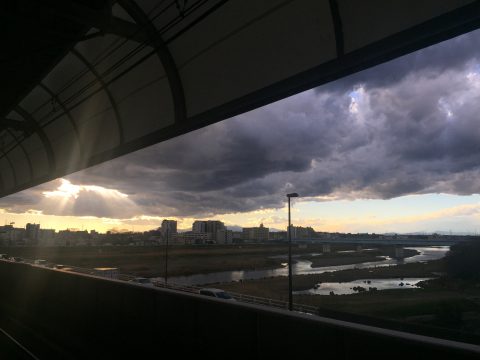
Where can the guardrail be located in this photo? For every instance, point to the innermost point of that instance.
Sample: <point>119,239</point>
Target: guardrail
<point>185,288</point>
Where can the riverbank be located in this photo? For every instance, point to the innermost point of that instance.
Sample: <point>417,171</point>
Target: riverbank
<point>189,260</point>
<point>354,257</point>
<point>277,287</point>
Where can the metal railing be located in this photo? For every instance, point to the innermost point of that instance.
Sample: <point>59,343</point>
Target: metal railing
<point>161,284</point>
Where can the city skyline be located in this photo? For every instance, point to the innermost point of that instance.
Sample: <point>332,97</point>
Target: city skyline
<point>404,210</point>
<point>390,149</point>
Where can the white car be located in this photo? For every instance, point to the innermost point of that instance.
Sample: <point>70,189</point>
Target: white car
<point>218,293</point>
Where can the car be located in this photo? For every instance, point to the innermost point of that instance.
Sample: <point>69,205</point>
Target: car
<point>40,262</point>
<point>4,256</point>
<point>217,293</point>
<point>142,281</point>
<point>17,259</point>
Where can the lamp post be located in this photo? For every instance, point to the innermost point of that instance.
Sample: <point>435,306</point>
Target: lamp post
<point>166,254</point>
<point>290,296</point>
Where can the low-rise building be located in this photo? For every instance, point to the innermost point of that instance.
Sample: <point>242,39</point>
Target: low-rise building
<point>277,236</point>
<point>255,234</point>
<point>46,237</point>
<point>191,238</point>
<point>224,236</point>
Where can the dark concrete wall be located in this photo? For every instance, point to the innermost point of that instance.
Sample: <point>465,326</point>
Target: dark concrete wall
<point>92,318</point>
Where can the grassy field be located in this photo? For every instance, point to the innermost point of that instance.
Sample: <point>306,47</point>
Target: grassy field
<point>186,260</point>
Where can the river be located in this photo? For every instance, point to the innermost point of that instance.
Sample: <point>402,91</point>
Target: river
<point>304,267</point>
<point>352,287</point>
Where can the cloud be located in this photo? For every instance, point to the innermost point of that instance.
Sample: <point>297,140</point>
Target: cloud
<point>410,126</point>
<point>62,197</point>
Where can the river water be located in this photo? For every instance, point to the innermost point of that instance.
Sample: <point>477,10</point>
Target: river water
<point>352,287</point>
<point>304,267</point>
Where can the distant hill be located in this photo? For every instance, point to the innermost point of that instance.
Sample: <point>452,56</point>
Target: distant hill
<point>234,228</point>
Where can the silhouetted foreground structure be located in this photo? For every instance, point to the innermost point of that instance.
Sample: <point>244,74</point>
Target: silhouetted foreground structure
<point>86,81</point>
<point>80,316</point>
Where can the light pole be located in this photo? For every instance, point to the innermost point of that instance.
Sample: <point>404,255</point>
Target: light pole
<point>166,254</point>
<point>290,296</point>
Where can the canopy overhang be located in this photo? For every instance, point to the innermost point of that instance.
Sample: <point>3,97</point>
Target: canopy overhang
<point>85,81</point>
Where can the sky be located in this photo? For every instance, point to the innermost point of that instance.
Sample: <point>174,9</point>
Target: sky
<point>394,148</point>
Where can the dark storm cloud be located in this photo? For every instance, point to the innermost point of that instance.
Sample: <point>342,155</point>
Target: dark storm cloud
<point>407,127</point>
<point>453,53</point>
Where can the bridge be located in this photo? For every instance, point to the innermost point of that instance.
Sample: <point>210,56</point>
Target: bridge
<point>87,81</point>
<point>400,241</point>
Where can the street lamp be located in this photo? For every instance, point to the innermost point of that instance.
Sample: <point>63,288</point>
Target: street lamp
<point>166,254</point>
<point>290,297</point>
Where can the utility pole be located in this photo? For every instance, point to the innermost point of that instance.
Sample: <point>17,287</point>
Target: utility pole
<point>166,254</point>
<point>290,294</point>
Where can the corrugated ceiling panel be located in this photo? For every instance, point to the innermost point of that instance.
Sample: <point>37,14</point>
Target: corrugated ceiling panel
<point>97,124</point>
<point>223,61</point>
<point>61,79</point>
<point>38,157</point>
<point>64,143</point>
<point>35,102</point>
<point>267,53</point>
<point>144,95</point>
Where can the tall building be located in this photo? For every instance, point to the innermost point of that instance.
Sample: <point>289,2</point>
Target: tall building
<point>199,226</point>
<point>168,229</point>
<point>208,226</point>
<point>257,234</point>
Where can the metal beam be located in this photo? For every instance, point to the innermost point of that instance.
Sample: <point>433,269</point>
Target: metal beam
<point>107,91</point>
<point>43,137</point>
<point>12,168</point>
<point>164,55</point>
<point>338,27</point>
<point>18,143</point>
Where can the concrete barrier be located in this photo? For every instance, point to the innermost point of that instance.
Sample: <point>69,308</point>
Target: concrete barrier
<point>95,318</point>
